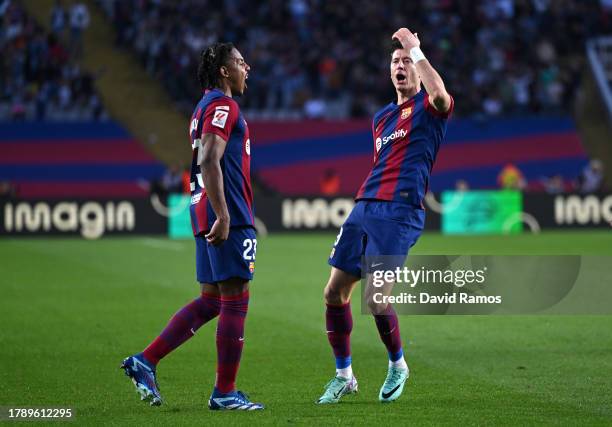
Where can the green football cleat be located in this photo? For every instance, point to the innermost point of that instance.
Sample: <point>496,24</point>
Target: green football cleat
<point>337,388</point>
<point>394,384</point>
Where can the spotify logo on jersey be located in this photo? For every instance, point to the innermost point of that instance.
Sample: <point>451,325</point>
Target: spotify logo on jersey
<point>400,133</point>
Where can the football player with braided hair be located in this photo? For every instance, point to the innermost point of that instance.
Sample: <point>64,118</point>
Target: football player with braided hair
<point>223,226</point>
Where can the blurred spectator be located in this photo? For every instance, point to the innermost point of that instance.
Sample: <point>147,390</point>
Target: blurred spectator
<point>7,190</point>
<point>172,181</point>
<point>511,178</point>
<point>58,18</point>
<point>328,59</point>
<point>461,185</point>
<point>592,176</point>
<point>330,183</point>
<point>186,179</point>
<point>554,184</point>
<point>79,21</point>
<point>39,78</point>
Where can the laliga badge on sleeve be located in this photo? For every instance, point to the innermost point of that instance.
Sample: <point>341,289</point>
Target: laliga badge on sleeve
<point>220,118</point>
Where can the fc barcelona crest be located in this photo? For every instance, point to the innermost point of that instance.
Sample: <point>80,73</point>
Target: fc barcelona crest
<point>406,112</point>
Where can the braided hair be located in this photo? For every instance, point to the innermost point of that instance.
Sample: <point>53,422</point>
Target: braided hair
<point>211,59</point>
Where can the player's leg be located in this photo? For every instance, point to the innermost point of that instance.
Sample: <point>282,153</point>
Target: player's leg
<point>233,265</point>
<point>397,372</point>
<point>339,325</point>
<point>184,324</point>
<point>393,228</point>
<point>387,323</point>
<point>230,331</point>
<point>141,368</point>
<point>338,318</point>
<point>345,260</point>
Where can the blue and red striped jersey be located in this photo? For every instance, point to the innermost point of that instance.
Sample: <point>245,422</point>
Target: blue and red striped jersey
<point>219,114</point>
<point>406,141</point>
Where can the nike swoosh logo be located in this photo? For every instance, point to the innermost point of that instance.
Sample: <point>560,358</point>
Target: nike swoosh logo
<point>388,395</point>
<point>390,332</point>
<point>376,265</point>
<point>337,395</point>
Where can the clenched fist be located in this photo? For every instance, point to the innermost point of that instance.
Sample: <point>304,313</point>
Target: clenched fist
<point>406,38</point>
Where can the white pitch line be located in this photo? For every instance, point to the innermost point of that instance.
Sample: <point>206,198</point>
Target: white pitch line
<point>163,244</point>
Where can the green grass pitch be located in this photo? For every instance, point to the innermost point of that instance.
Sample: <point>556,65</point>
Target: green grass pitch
<point>71,310</point>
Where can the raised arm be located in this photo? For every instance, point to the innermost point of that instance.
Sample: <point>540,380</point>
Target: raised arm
<point>438,96</point>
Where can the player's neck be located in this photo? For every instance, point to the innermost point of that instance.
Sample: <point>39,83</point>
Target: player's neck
<point>405,95</point>
<point>227,91</point>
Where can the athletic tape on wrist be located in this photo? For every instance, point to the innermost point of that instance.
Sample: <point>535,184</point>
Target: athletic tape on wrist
<point>416,54</point>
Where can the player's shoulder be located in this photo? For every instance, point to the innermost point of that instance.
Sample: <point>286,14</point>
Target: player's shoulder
<point>383,111</point>
<point>218,99</point>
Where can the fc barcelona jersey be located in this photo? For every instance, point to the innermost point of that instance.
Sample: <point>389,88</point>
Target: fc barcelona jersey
<point>219,114</point>
<point>406,141</point>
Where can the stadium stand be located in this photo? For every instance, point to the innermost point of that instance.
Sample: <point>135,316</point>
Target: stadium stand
<point>499,57</point>
<point>56,139</point>
<point>504,60</point>
<point>40,78</point>
<point>474,151</point>
<point>87,159</point>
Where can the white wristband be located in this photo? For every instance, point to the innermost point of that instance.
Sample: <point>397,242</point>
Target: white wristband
<point>416,54</point>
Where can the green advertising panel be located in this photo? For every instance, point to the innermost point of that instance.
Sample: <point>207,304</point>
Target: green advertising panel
<point>179,223</point>
<point>481,212</point>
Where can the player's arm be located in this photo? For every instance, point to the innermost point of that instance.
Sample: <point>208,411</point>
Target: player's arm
<point>218,121</point>
<point>438,96</point>
<point>213,147</point>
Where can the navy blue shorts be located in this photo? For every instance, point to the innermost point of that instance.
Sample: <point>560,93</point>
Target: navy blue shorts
<point>377,228</point>
<point>233,258</point>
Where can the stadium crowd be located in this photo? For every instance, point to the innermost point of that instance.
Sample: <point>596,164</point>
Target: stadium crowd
<point>40,77</point>
<point>327,59</point>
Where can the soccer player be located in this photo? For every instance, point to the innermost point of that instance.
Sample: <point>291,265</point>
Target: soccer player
<point>223,226</point>
<point>388,217</point>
